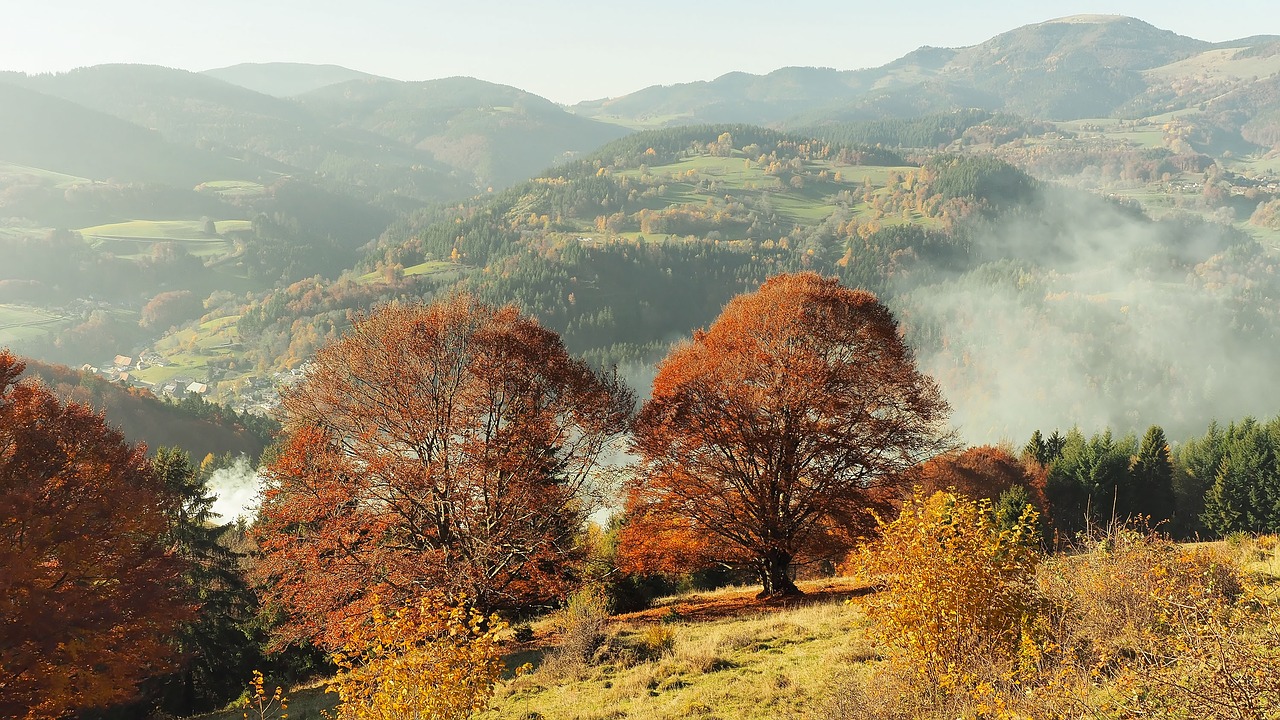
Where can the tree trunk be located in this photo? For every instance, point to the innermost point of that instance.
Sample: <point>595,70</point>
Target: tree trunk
<point>775,575</point>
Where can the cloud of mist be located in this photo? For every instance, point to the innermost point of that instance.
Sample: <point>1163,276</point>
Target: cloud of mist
<point>1089,315</point>
<point>237,489</point>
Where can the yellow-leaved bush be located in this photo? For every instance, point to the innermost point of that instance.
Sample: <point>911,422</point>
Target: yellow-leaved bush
<point>956,585</point>
<point>430,660</point>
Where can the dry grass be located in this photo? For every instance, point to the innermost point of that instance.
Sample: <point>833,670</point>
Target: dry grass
<point>726,656</point>
<point>741,659</point>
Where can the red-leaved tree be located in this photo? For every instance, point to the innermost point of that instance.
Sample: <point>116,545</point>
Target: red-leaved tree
<point>981,472</point>
<point>771,433</point>
<point>90,589</point>
<point>444,448</point>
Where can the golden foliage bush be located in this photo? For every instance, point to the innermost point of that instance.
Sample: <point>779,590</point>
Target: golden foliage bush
<point>428,660</point>
<point>1132,625</point>
<point>956,585</point>
<point>1175,631</point>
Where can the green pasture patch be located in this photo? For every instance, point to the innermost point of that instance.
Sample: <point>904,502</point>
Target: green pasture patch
<point>21,322</point>
<point>431,267</point>
<point>134,239</point>
<point>11,172</point>
<point>233,188</point>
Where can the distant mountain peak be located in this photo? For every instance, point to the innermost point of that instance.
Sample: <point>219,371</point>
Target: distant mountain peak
<point>1089,19</point>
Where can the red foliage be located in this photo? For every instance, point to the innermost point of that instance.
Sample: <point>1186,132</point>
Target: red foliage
<point>770,435</point>
<point>982,472</point>
<point>443,448</point>
<point>89,588</point>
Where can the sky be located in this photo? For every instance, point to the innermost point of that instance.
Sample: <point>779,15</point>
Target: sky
<point>565,50</point>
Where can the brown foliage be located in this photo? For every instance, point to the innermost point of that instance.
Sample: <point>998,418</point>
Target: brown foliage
<point>89,589</point>
<point>982,472</point>
<point>442,447</point>
<point>772,432</point>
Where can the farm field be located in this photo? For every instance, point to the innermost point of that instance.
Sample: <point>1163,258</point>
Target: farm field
<point>435,267</point>
<point>10,172</point>
<point>232,188</point>
<point>189,352</point>
<point>20,322</point>
<point>136,237</point>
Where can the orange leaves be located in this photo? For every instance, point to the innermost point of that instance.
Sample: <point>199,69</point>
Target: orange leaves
<point>982,472</point>
<point>446,446</point>
<point>774,429</point>
<point>89,589</point>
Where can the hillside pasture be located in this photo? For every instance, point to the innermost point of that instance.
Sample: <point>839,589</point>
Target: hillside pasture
<point>736,178</point>
<point>20,322</point>
<point>136,238</point>
<point>433,267</point>
<point>233,189</point>
<point>11,173</point>
<point>190,351</point>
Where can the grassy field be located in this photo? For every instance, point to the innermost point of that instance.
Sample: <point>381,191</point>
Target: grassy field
<point>135,237</point>
<point>10,172</point>
<point>18,322</point>
<point>726,655</point>
<point>730,656</point>
<point>736,176</point>
<point>188,352</point>
<point>434,267</point>
<point>232,188</point>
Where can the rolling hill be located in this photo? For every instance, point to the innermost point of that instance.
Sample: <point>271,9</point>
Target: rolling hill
<point>282,79</point>
<point>1073,67</point>
<point>51,133</point>
<point>496,133</point>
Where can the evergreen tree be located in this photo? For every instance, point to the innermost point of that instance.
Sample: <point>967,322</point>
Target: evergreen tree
<point>1245,495</point>
<point>219,645</point>
<point>1151,478</point>
<point>1198,462</point>
<point>1035,449</point>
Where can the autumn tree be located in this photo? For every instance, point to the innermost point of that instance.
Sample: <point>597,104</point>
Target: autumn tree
<point>89,583</point>
<point>771,433</point>
<point>980,472</point>
<point>450,448</point>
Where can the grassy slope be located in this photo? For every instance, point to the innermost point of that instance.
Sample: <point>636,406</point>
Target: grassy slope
<point>733,658</point>
<point>20,322</point>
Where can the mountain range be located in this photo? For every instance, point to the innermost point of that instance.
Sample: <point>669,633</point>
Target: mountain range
<point>447,138</point>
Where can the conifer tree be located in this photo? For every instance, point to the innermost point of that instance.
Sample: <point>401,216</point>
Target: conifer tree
<point>1151,478</point>
<point>217,643</point>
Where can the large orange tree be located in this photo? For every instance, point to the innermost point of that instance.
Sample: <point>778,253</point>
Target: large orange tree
<point>90,586</point>
<point>444,448</point>
<point>771,434</point>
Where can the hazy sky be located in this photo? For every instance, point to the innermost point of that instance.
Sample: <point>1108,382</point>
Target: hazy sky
<point>566,50</point>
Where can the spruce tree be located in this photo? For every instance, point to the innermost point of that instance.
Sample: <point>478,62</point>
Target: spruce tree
<point>218,644</point>
<point>1150,490</point>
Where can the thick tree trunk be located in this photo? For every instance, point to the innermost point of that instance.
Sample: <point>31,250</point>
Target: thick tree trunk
<point>775,575</point>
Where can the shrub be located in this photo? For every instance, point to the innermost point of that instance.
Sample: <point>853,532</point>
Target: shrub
<point>956,586</point>
<point>581,627</point>
<point>658,640</point>
<point>427,660</point>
